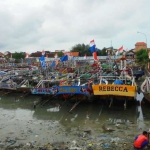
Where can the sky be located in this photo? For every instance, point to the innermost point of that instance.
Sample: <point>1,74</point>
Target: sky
<point>34,25</point>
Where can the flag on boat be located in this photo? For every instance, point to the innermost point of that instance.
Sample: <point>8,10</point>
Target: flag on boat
<point>42,61</point>
<point>27,55</point>
<point>85,56</point>
<point>56,55</point>
<point>120,50</point>
<point>95,56</point>
<point>64,58</point>
<point>92,46</point>
<point>43,52</point>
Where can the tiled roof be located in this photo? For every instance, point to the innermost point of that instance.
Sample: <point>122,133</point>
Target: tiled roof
<point>140,44</point>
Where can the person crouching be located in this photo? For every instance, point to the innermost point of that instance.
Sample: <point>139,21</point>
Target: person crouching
<point>141,141</point>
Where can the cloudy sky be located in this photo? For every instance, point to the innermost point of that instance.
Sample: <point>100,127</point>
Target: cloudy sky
<point>33,25</point>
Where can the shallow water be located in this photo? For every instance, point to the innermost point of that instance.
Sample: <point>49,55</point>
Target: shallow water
<point>20,120</point>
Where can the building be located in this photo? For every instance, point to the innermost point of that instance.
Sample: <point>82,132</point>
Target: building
<point>1,55</point>
<point>140,45</point>
<point>39,54</point>
<point>130,54</point>
<point>75,54</point>
<point>8,54</point>
<point>60,51</point>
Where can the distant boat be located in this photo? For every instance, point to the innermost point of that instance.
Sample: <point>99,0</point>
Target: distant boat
<point>145,88</point>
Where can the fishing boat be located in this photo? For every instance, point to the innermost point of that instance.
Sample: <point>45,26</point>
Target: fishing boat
<point>75,89</point>
<point>145,88</point>
<point>118,85</point>
<point>67,89</point>
<point>25,85</point>
<point>7,83</point>
<point>45,87</point>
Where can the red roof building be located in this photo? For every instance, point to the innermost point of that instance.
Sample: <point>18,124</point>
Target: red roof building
<point>140,45</point>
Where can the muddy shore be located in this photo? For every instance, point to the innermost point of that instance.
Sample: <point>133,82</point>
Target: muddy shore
<point>90,128</point>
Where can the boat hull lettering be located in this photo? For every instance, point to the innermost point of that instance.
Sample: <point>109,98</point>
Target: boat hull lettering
<point>113,88</point>
<point>116,90</point>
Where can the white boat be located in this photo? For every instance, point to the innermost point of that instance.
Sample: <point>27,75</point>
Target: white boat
<point>145,88</point>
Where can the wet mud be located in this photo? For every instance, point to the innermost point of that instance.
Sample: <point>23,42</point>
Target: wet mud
<point>89,126</point>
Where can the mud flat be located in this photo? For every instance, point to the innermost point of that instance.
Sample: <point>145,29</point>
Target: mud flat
<point>88,127</point>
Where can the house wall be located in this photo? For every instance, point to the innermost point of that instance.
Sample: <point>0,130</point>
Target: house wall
<point>140,45</point>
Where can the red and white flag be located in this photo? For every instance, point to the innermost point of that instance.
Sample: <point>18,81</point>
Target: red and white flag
<point>43,52</point>
<point>120,50</point>
<point>92,42</point>
<point>27,55</point>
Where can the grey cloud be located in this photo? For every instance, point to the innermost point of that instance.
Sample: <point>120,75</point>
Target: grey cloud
<point>58,24</point>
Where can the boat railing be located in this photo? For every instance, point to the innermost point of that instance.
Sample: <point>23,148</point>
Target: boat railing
<point>5,78</point>
<point>113,78</point>
<point>41,83</point>
<point>24,83</point>
<point>145,86</point>
<point>21,83</point>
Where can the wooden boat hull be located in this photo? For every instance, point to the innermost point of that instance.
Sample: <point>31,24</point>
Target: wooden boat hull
<point>64,90</point>
<point>114,90</point>
<point>24,89</point>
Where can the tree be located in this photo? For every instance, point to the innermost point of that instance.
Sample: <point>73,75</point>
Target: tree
<point>102,52</point>
<point>82,49</point>
<point>60,54</point>
<point>142,56</point>
<point>85,49</point>
<point>18,55</point>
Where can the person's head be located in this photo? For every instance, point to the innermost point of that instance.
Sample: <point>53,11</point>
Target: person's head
<point>145,133</point>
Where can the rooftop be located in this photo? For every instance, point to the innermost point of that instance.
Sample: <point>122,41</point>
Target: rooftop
<point>140,44</point>
<point>72,53</point>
